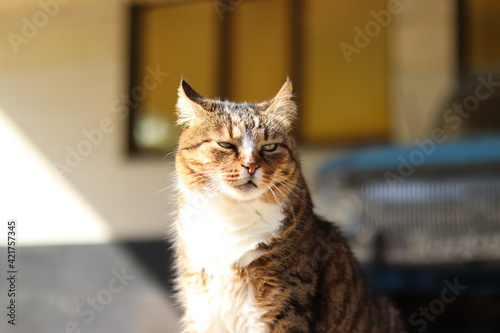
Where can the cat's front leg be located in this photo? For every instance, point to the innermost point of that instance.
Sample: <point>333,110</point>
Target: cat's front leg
<point>202,323</point>
<point>199,327</point>
<point>200,317</point>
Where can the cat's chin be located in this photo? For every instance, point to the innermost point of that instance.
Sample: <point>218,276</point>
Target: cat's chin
<point>244,192</point>
<point>247,187</point>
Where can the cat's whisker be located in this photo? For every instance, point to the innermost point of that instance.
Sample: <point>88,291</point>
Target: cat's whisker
<point>288,188</point>
<point>196,177</point>
<point>278,203</point>
<point>286,200</point>
<point>173,152</point>
<point>200,176</point>
<point>291,192</point>
<point>210,184</point>
<point>210,172</point>
<point>195,184</point>
<point>168,188</point>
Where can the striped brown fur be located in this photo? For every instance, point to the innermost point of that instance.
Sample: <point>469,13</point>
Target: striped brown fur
<point>300,276</point>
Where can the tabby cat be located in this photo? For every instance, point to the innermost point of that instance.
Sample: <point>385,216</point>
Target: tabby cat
<point>251,256</point>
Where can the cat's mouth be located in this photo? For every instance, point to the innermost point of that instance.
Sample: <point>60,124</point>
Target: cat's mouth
<point>246,187</point>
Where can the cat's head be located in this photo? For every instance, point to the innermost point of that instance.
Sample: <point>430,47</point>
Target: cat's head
<point>242,151</point>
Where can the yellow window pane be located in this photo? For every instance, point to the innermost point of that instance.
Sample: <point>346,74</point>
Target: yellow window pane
<point>181,40</point>
<point>483,34</point>
<point>344,101</point>
<point>260,49</point>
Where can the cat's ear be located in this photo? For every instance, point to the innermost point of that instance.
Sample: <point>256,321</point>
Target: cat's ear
<point>282,108</point>
<point>191,106</point>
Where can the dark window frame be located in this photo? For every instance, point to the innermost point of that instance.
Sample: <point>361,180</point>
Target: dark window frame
<point>224,60</point>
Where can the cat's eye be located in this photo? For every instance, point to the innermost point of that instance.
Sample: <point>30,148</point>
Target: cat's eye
<point>226,145</point>
<point>270,147</point>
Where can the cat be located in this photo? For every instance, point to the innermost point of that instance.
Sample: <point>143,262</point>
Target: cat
<point>250,254</point>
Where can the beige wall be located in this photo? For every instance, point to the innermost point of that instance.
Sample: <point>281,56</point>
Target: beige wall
<point>422,66</point>
<point>67,79</point>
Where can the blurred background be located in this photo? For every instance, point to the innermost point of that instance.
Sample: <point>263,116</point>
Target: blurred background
<point>398,131</point>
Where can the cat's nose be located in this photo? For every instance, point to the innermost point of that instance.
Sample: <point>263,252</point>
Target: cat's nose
<point>251,167</point>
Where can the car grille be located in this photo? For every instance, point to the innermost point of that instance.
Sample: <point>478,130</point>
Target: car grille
<point>432,220</point>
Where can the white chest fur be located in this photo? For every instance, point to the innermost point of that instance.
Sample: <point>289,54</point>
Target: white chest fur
<point>219,236</point>
<point>227,306</point>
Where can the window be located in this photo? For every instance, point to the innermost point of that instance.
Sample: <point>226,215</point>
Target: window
<point>244,50</point>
